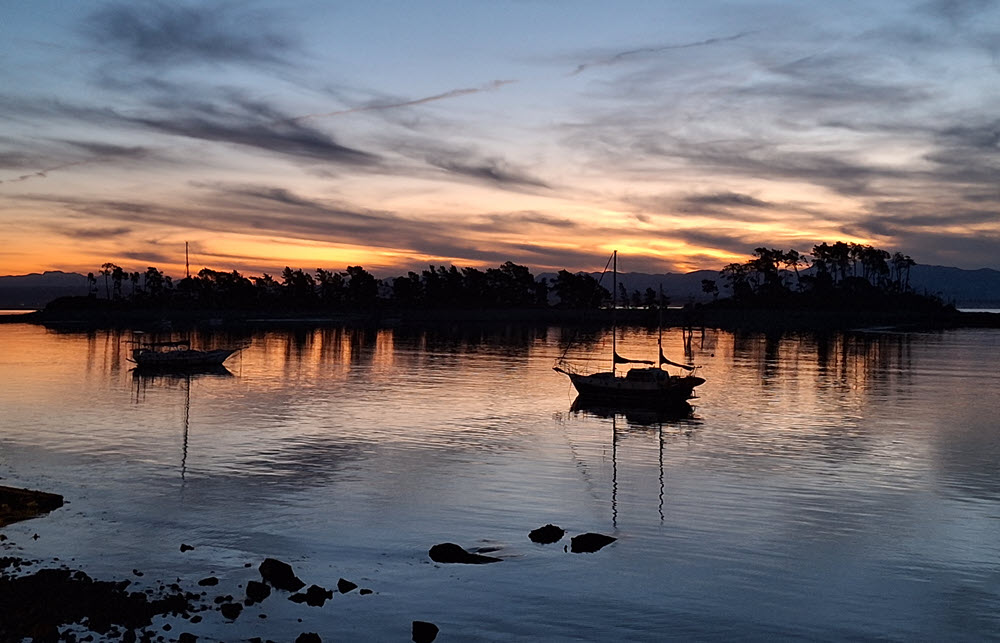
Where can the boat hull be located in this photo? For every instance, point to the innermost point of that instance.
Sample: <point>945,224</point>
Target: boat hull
<point>181,358</point>
<point>605,388</point>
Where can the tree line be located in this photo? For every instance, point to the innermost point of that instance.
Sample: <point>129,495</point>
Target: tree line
<point>838,274</point>
<point>507,286</point>
<point>832,274</point>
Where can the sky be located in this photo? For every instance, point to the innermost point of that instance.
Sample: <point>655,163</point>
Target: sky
<point>395,135</point>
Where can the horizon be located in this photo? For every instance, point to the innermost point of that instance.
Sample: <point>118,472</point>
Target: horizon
<point>470,135</point>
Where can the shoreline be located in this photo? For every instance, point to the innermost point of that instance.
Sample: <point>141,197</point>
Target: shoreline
<point>749,319</point>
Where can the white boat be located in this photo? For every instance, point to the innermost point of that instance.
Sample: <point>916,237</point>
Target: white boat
<point>651,385</point>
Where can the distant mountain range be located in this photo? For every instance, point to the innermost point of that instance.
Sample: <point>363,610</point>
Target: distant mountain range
<point>965,288</point>
<point>35,290</point>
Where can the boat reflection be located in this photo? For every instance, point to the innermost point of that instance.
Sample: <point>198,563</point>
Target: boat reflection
<point>639,416</point>
<point>149,374</point>
<point>173,378</point>
<point>678,419</point>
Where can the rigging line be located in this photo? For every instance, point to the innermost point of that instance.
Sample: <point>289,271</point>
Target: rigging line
<point>576,331</point>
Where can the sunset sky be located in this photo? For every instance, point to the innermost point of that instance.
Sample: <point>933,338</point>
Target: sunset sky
<point>400,134</point>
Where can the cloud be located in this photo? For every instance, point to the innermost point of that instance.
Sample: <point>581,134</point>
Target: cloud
<point>167,33</point>
<point>94,233</point>
<point>249,123</point>
<point>628,55</point>
<point>494,170</point>
<point>397,103</point>
<point>727,199</point>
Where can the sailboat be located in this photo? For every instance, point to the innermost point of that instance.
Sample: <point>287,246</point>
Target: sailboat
<point>650,385</point>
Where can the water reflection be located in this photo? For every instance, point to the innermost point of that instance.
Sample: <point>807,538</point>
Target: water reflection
<point>838,485</point>
<point>638,416</point>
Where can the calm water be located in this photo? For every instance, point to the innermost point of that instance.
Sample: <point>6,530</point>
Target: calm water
<point>825,488</point>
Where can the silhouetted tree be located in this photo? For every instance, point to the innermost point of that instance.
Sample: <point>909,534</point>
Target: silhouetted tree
<point>709,287</point>
<point>106,270</point>
<point>579,290</point>
<point>362,287</point>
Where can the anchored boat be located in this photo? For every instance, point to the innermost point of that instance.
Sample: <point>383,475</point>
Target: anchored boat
<point>178,354</point>
<point>651,385</point>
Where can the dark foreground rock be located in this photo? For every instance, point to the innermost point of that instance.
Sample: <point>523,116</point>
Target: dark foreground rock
<point>344,586</point>
<point>424,632</point>
<point>452,553</point>
<point>257,591</point>
<point>308,637</point>
<point>315,596</point>
<point>22,504</point>
<point>279,575</point>
<point>546,535</point>
<point>589,543</point>
<point>38,604</point>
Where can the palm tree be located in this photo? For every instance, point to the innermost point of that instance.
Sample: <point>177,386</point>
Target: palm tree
<point>106,270</point>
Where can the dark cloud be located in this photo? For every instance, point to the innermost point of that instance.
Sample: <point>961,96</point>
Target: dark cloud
<point>727,199</point>
<point>395,103</point>
<point>17,160</point>
<point>642,52</point>
<point>94,233</point>
<point>109,151</point>
<point>168,33</point>
<point>494,171</point>
<point>249,123</point>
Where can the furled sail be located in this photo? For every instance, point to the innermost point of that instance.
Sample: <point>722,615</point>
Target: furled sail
<point>624,360</point>
<point>664,360</point>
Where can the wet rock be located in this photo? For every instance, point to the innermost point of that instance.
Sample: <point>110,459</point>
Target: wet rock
<point>315,596</point>
<point>258,591</point>
<point>452,553</point>
<point>231,610</point>
<point>344,586</point>
<point>185,548</point>
<point>364,591</point>
<point>187,637</point>
<point>589,543</point>
<point>208,582</point>
<point>308,637</point>
<point>424,632</point>
<point>22,504</point>
<point>279,575</point>
<point>546,535</point>
<point>37,604</point>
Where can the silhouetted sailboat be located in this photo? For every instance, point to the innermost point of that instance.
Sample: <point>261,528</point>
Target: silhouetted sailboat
<point>178,354</point>
<point>649,386</point>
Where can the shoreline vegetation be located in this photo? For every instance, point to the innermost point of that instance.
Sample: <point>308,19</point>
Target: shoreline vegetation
<point>837,286</point>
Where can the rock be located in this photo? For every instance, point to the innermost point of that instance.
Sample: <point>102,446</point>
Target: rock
<point>280,575</point>
<point>187,637</point>
<point>424,632</point>
<point>344,586</point>
<point>308,637</point>
<point>546,535</point>
<point>364,591</point>
<point>258,591</point>
<point>36,604</point>
<point>208,582</point>
<point>22,504</point>
<point>231,610</point>
<point>589,543</point>
<point>185,548</point>
<point>315,596</point>
<point>452,553</point>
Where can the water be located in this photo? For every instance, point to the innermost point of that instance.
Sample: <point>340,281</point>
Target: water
<point>825,488</point>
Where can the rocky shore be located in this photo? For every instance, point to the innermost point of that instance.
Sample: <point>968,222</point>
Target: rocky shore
<point>48,601</point>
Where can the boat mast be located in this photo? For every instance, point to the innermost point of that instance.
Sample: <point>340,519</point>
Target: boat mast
<point>659,327</point>
<point>614,312</point>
